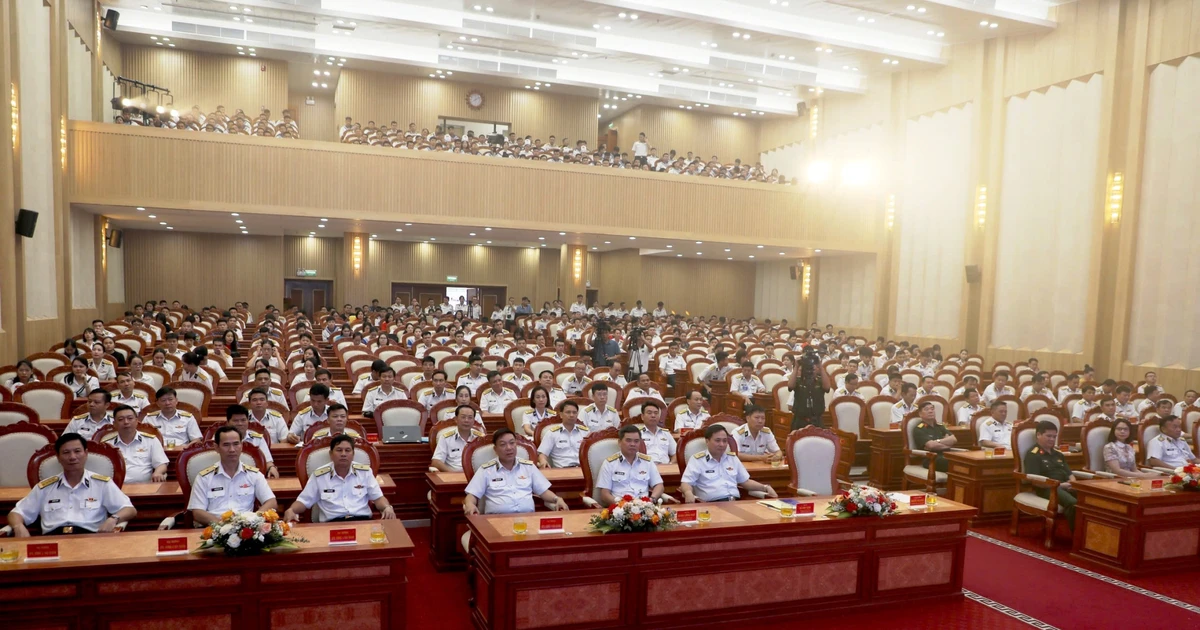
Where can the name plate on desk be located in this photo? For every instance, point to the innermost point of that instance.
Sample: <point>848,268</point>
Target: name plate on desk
<point>174,546</point>
<point>916,501</point>
<point>805,509</point>
<point>1000,450</point>
<point>347,536</point>
<point>685,516</point>
<point>1156,484</point>
<point>41,552</point>
<point>550,525</point>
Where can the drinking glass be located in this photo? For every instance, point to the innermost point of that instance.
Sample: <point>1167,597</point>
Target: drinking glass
<point>931,500</point>
<point>519,527</point>
<point>377,536</point>
<point>989,452</point>
<point>9,554</point>
<point>787,511</point>
<point>704,516</point>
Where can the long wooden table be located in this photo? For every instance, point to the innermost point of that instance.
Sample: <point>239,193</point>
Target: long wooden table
<point>118,581</point>
<point>886,469</point>
<point>747,564</point>
<point>1136,532</point>
<point>447,490</point>
<point>156,501</point>
<point>987,483</point>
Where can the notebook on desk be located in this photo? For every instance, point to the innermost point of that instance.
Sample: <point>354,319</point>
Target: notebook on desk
<point>401,435</point>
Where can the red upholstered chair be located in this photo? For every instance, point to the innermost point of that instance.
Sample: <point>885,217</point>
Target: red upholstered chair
<point>13,412</point>
<point>52,401</point>
<point>102,458</point>
<point>354,425</point>
<point>158,375</point>
<point>925,475</point>
<point>18,442</point>
<point>194,394</point>
<point>481,450</point>
<point>315,454</point>
<point>45,361</point>
<point>400,413</point>
<point>692,443</point>
<point>435,430</point>
<point>5,395</point>
<point>813,455</point>
<point>194,459</point>
<point>210,434</point>
<point>593,452</point>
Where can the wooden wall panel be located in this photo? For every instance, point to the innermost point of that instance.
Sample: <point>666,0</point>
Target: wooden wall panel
<point>517,268</point>
<point>209,80</point>
<point>700,132</point>
<point>320,254</point>
<point>620,277</point>
<point>957,82</point>
<point>373,183</point>
<point>110,55</point>
<point>701,287</point>
<point>842,113</point>
<point>316,120</point>
<point>1075,48</point>
<point>203,269</point>
<point>592,272</point>
<point>382,97</point>
<point>547,279</point>
<point>1174,30</point>
<point>79,16</point>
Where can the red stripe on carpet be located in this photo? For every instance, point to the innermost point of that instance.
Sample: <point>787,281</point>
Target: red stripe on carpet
<point>1061,597</point>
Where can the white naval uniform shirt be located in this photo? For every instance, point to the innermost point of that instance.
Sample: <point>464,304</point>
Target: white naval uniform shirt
<point>685,419</point>
<point>138,400</point>
<point>899,410</point>
<point>599,419</point>
<point>1127,410</point>
<point>215,491</point>
<point>87,505</point>
<point>1027,391</point>
<point>532,419</point>
<point>1067,391</point>
<point>1082,407</point>
<point>660,445</point>
<point>993,431</point>
<point>762,444</point>
<point>842,392</point>
<point>1172,452</point>
<point>256,440</point>
<point>431,398</point>
<point>746,386</point>
<point>274,423</point>
<point>578,308</point>
<point>638,392</point>
<point>557,395</point>
<point>361,383</point>
<point>714,479</point>
<point>669,364</point>
<point>200,377</point>
<point>82,388</point>
<point>336,396</point>
<point>990,394</point>
<point>575,386</point>
<point>84,425</point>
<point>142,455</point>
<point>622,477</point>
<point>507,490</point>
<point>561,446</point>
<point>659,312</point>
<point>106,371</point>
<point>176,430</point>
<point>474,382</point>
<point>965,412</point>
<point>451,445</point>
<point>339,496</point>
<point>491,402</point>
<point>305,418</point>
<point>273,395</point>
<point>376,396</point>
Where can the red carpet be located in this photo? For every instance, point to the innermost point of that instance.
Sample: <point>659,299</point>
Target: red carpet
<point>1061,597</point>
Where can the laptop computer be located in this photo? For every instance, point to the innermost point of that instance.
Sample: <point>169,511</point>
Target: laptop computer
<point>401,435</point>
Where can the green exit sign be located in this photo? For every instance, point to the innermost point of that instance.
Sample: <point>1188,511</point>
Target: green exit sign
<point>451,278</point>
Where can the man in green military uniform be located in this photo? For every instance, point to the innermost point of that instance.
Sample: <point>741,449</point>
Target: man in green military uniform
<point>932,436</point>
<point>1046,461</point>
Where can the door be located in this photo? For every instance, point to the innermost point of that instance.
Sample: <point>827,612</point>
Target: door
<point>294,299</point>
<point>489,304</point>
<point>319,299</point>
<point>309,296</point>
<point>592,295</point>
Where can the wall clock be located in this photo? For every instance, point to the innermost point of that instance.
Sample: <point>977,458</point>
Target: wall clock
<point>475,99</point>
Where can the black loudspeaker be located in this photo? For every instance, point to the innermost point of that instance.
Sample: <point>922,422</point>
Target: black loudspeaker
<point>795,269</point>
<point>26,222</point>
<point>115,237</point>
<point>110,19</point>
<point>802,109</point>
<point>974,274</point>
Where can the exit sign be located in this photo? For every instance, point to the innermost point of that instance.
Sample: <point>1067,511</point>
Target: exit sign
<point>451,278</point>
<point>306,273</point>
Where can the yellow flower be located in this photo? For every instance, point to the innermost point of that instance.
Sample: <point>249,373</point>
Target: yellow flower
<point>208,531</point>
<point>604,514</point>
<point>228,514</point>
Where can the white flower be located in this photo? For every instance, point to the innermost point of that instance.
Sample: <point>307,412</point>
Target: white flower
<point>226,528</point>
<point>636,509</point>
<point>233,542</point>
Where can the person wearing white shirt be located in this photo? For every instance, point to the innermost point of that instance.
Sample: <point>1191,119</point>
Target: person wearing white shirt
<point>560,444</point>
<point>1125,409</point>
<point>967,383</point>
<point>671,363</point>
<point>660,444</point>
<point>690,416</point>
<point>973,406</point>
<point>629,472</point>
<point>908,394</point>
<point>104,369</point>
<point>439,392</point>
<point>496,397</point>
<point>1036,387</point>
<point>996,432</point>
<point>518,376</point>
<point>127,395</point>
<point>1151,399</point>
<point>638,311</point>
<point>474,377</point>
<point>1189,400</point>
<point>599,415</point>
<point>1169,449</point>
<point>1086,404</point>
<point>641,148</point>
<point>644,389</point>
<point>658,312</point>
<point>177,428</point>
<point>97,418</point>
<point>271,420</point>
<point>145,459</point>
<point>850,388</point>
<point>447,455</point>
<point>755,441</point>
<point>745,383</point>
<point>228,484</point>
<point>344,489</point>
<point>383,392</point>
<point>715,475</point>
<point>557,395</point>
<point>998,387</point>
<point>1070,388</point>
<point>578,308</point>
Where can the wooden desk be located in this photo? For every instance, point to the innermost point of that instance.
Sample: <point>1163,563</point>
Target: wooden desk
<point>886,469</point>
<point>156,501</point>
<point>116,580</point>
<point>987,482</point>
<point>447,490</point>
<point>747,564</point>
<point>1136,532</point>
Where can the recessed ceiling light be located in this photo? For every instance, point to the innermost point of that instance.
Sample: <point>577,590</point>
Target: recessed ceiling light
<point>314,84</point>
<point>608,242</point>
<point>781,253</point>
<point>321,226</point>
<point>752,255</point>
<point>324,85</point>
<point>726,249</point>
<point>153,216</point>
<point>170,228</point>
<point>633,16</point>
<point>595,248</point>
<point>562,233</point>
<point>324,219</point>
<point>489,242</point>
<point>670,247</point>
<point>471,234</point>
<point>141,209</point>
<point>760,246</point>
<point>237,220</point>
<point>595,26</point>
<point>608,28</point>
<point>817,251</point>
<point>679,255</point>
<point>374,236</point>
<point>621,15</point>
<point>633,238</point>
<point>993,25</point>
<point>162,222</point>
<point>399,229</point>
<point>543,244</point>
<point>941,34</point>
<point>488,229</point>
<point>432,239</point>
<point>920,9</point>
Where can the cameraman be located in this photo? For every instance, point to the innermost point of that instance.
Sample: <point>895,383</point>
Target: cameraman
<point>809,384</point>
<point>639,352</point>
<point>604,347</point>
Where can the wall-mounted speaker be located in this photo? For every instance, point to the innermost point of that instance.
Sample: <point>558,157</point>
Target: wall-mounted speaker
<point>26,222</point>
<point>115,238</point>
<point>110,19</point>
<point>974,274</point>
<point>802,109</point>
<point>795,269</point>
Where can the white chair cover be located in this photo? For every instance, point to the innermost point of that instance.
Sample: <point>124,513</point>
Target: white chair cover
<point>454,367</point>
<point>597,453</point>
<point>400,417</point>
<point>13,417</point>
<point>815,459</point>
<point>95,463</point>
<point>45,364</point>
<point>847,417</point>
<point>46,402</point>
<point>191,396</point>
<point>15,451</point>
<point>881,413</point>
<point>1096,438</point>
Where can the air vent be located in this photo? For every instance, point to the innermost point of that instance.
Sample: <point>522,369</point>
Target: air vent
<point>671,90</point>
<point>499,29</point>
<point>282,40</point>
<point>565,39</point>
<point>519,70</point>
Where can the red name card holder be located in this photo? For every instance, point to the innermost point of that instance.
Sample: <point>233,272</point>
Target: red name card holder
<point>916,501</point>
<point>373,437</point>
<point>41,552</point>
<point>1156,484</point>
<point>804,510</point>
<point>999,450</point>
<point>343,537</point>
<point>550,525</point>
<point>173,546</point>
<point>685,516</point>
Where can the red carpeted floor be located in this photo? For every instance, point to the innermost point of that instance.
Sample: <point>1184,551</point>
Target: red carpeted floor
<point>1048,593</point>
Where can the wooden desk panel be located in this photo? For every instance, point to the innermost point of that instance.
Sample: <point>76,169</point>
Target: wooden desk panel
<point>747,563</point>
<point>446,492</point>
<point>1136,532</point>
<point>886,469</point>
<point>156,501</point>
<point>97,583</point>
<point>987,482</point>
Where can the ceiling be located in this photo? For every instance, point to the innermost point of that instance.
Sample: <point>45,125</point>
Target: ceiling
<point>730,55</point>
<point>157,219</point>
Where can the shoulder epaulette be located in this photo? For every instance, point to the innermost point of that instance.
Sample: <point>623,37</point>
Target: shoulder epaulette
<point>742,428</point>
<point>324,470</point>
<point>557,427</point>
<point>187,414</point>
<point>147,435</point>
<point>1162,438</point>
<point>275,391</point>
<point>612,409</point>
<point>1035,450</point>
<point>137,394</point>
<point>154,413</point>
<point>272,412</point>
<point>494,462</point>
<point>524,461</point>
<point>103,361</point>
<point>82,416</point>
<point>645,457</point>
<point>305,410</point>
<point>614,457</point>
<point>254,434</point>
<point>989,422</point>
<point>448,432</point>
<point>476,432</point>
<point>113,438</point>
<point>699,455</point>
<point>248,467</point>
<point>920,425</point>
<point>767,430</point>
<point>359,466</point>
<point>581,426</point>
<point>48,481</point>
<point>335,389</point>
<point>364,376</point>
<point>371,389</point>
<point>590,407</point>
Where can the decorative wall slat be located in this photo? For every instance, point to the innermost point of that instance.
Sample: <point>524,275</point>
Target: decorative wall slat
<point>402,261</point>
<point>383,97</point>
<point>776,294</point>
<point>1075,48</point>
<point>1174,30</point>
<point>39,158</point>
<point>316,120</point>
<point>702,133</point>
<point>323,255</point>
<point>846,291</point>
<point>209,80</point>
<point>203,269</point>
<point>701,287</point>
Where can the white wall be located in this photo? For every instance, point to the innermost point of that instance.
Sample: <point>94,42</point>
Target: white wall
<point>931,213</point>
<point>846,291</point>
<point>79,78</point>
<point>1048,217</point>
<point>39,137</point>
<point>1164,325</point>
<point>82,234</point>
<point>116,275</point>
<point>776,295</point>
<point>789,160</point>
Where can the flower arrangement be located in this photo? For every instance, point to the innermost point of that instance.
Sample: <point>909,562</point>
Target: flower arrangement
<point>248,533</point>
<point>860,501</point>
<point>633,515</point>
<point>1186,478</point>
